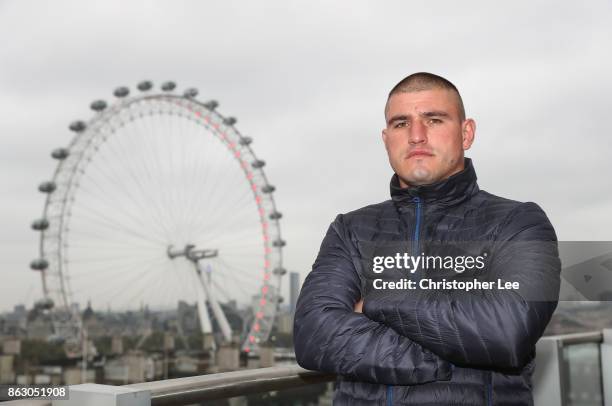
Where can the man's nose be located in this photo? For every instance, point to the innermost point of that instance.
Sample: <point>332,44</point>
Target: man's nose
<point>417,133</point>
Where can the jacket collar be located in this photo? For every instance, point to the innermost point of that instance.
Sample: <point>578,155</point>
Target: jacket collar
<point>448,192</point>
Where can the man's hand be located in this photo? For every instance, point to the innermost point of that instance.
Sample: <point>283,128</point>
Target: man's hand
<point>359,306</point>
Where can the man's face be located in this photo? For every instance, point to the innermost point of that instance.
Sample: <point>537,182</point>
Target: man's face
<point>425,136</point>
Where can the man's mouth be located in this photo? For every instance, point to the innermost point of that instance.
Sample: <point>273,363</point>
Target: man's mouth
<point>419,153</point>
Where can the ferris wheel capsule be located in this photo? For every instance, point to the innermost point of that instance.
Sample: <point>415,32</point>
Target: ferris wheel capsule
<point>190,93</point>
<point>168,86</point>
<point>40,224</point>
<point>60,153</point>
<point>98,105</point>
<point>268,189</point>
<point>275,215</point>
<point>211,104</point>
<point>230,120</point>
<point>47,187</point>
<point>257,164</point>
<point>121,92</point>
<point>245,141</point>
<point>39,264</point>
<point>280,271</point>
<point>279,243</point>
<point>77,126</point>
<point>145,85</point>
<point>44,304</point>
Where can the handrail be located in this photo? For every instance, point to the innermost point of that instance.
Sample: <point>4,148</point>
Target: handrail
<point>578,338</point>
<point>224,385</point>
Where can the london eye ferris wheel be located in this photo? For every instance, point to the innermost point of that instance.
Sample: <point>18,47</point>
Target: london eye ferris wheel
<point>159,198</point>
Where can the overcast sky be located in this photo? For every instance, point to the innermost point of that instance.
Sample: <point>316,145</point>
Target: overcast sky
<point>307,80</point>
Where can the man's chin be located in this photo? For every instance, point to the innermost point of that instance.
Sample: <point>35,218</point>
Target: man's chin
<point>418,179</point>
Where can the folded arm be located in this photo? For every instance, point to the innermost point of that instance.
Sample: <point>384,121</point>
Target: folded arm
<point>330,336</point>
<point>487,328</point>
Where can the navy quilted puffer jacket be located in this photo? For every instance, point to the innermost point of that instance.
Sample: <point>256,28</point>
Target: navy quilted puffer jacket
<point>430,346</point>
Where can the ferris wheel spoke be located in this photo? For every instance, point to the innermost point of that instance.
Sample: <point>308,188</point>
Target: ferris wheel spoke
<point>109,223</point>
<point>214,224</point>
<point>153,165</point>
<point>113,200</point>
<point>110,269</point>
<point>100,240</point>
<point>90,278</point>
<point>210,236</point>
<point>196,206</point>
<point>215,171</point>
<point>214,220</point>
<point>141,278</point>
<point>122,222</point>
<point>242,238</point>
<point>149,191</point>
<point>232,270</point>
<point>182,192</point>
<point>200,173</point>
<point>215,185</point>
<point>178,190</point>
<point>232,245</point>
<point>237,225</point>
<point>119,274</point>
<point>203,201</point>
<point>100,258</point>
<point>175,284</point>
<point>225,210</point>
<point>147,194</point>
<point>239,284</point>
<point>201,220</point>
<point>159,285</point>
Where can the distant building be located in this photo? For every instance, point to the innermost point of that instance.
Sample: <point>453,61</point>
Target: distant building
<point>284,323</point>
<point>7,373</point>
<point>117,345</point>
<point>14,323</point>
<point>131,368</point>
<point>11,346</point>
<point>294,290</point>
<point>188,317</point>
<point>40,327</point>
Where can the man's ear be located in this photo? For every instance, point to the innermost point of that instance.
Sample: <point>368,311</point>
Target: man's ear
<point>468,131</point>
<point>384,137</point>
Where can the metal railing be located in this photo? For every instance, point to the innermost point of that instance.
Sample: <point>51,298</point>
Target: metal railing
<point>225,385</point>
<point>556,367</point>
<point>574,369</point>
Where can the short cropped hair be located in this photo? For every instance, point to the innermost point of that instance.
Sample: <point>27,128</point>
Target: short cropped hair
<point>426,81</point>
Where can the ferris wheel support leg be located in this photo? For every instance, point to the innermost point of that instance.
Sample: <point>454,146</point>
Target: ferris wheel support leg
<point>205,323</point>
<point>216,308</point>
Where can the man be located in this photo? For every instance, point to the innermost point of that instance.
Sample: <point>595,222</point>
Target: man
<point>423,345</point>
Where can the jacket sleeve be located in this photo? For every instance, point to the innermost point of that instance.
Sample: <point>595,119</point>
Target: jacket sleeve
<point>490,327</point>
<point>330,337</point>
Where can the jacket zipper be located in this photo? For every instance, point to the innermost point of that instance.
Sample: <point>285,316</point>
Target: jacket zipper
<point>490,389</point>
<point>415,247</point>
<point>417,226</point>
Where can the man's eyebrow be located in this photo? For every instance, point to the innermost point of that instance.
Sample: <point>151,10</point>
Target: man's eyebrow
<point>435,113</point>
<point>399,117</point>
